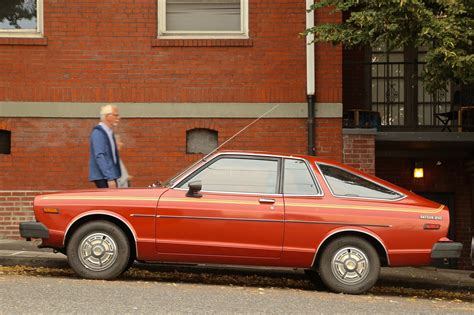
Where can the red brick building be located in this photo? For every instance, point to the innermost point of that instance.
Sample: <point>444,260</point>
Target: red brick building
<point>242,57</point>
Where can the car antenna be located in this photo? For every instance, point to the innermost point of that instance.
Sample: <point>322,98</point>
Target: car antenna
<point>241,130</point>
<point>158,183</point>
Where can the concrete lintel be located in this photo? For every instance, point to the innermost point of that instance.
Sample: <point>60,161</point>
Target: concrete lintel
<point>168,110</point>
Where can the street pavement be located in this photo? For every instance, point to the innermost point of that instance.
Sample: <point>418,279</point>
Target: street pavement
<point>22,253</point>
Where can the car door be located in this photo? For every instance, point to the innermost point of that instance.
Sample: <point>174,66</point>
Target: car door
<point>238,212</point>
<point>304,219</point>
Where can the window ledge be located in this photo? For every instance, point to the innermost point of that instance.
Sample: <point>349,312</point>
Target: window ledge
<point>25,41</point>
<point>158,42</point>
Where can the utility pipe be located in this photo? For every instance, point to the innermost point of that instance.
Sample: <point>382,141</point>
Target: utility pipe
<point>310,81</point>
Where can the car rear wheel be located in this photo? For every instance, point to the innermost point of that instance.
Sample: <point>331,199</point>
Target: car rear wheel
<point>349,265</point>
<point>98,250</point>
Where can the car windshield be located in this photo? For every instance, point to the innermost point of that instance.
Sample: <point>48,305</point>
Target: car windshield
<point>172,180</point>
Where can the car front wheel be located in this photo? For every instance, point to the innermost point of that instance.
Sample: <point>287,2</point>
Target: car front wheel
<point>98,250</point>
<point>349,265</point>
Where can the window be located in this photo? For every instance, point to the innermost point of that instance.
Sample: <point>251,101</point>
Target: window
<point>203,18</point>
<point>201,140</point>
<point>388,86</point>
<point>21,18</point>
<point>5,141</point>
<point>233,174</point>
<point>298,179</point>
<point>345,184</point>
<point>398,92</point>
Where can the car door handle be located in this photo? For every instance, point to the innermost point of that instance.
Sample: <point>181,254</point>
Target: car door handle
<point>266,200</point>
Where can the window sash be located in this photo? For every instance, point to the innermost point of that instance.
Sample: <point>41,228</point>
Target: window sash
<point>220,11</point>
<point>26,32</point>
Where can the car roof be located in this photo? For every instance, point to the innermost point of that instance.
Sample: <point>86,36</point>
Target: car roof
<point>280,154</point>
<point>314,159</point>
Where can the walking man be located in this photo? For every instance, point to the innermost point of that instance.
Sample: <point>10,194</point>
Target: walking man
<point>104,162</point>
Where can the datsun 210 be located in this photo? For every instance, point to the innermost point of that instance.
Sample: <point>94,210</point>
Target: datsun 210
<point>249,208</point>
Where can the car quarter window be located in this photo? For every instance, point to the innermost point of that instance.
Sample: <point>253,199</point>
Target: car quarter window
<point>346,184</point>
<point>298,180</point>
<point>234,174</point>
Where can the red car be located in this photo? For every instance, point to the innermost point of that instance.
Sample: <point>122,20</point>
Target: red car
<point>249,208</point>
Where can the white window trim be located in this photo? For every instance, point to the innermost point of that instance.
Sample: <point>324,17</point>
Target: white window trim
<point>242,34</point>
<point>28,33</point>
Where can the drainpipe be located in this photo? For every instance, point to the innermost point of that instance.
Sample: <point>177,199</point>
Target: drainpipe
<point>310,82</point>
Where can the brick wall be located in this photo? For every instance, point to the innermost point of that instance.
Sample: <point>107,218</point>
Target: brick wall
<point>15,207</point>
<point>359,149</point>
<point>53,154</point>
<point>106,52</point>
<point>449,177</point>
<point>329,138</point>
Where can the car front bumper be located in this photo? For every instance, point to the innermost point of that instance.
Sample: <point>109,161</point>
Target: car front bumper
<point>446,250</point>
<point>33,230</point>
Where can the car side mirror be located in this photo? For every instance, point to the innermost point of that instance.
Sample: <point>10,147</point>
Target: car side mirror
<point>194,189</point>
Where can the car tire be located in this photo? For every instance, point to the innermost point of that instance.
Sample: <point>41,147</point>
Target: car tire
<point>130,263</point>
<point>98,250</point>
<point>349,265</point>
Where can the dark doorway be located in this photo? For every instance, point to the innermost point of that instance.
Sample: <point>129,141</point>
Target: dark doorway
<point>448,200</point>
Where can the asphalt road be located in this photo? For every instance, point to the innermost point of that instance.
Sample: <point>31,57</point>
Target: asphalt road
<point>63,294</point>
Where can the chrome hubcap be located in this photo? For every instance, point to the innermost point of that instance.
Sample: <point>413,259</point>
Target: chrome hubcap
<point>350,265</point>
<point>97,251</point>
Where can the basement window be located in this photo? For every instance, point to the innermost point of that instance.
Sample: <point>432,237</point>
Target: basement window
<point>21,18</point>
<point>201,141</point>
<point>5,141</point>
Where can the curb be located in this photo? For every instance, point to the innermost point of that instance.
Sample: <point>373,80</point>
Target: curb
<point>50,262</point>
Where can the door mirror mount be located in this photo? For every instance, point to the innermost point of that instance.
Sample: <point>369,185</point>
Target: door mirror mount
<point>194,189</point>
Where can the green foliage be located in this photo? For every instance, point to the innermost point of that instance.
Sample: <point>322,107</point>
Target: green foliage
<point>444,27</point>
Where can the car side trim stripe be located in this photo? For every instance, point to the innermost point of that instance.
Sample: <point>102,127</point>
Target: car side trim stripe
<point>99,198</point>
<point>368,208</point>
<point>137,215</point>
<point>220,201</point>
<point>339,223</point>
<point>217,219</point>
<point>268,220</point>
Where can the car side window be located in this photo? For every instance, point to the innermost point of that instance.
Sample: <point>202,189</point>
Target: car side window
<point>233,174</point>
<point>297,179</point>
<point>346,184</point>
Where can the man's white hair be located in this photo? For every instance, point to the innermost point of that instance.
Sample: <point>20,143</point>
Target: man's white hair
<point>106,109</point>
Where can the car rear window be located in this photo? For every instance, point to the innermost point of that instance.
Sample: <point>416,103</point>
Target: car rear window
<point>346,184</point>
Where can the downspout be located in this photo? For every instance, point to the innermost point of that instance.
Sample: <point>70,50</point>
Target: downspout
<point>310,74</point>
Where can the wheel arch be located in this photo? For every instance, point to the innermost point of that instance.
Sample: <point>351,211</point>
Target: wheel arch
<point>120,222</point>
<point>369,237</point>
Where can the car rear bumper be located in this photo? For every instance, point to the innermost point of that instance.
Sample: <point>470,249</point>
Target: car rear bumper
<point>33,230</point>
<point>446,250</point>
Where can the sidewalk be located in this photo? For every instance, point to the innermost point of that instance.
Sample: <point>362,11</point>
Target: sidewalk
<point>16,252</point>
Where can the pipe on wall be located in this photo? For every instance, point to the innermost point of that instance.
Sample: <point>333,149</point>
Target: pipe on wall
<point>310,79</point>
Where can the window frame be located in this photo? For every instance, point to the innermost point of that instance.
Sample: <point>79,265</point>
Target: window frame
<point>28,33</point>
<point>242,34</point>
<point>243,157</point>
<point>416,111</point>
<point>402,195</point>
